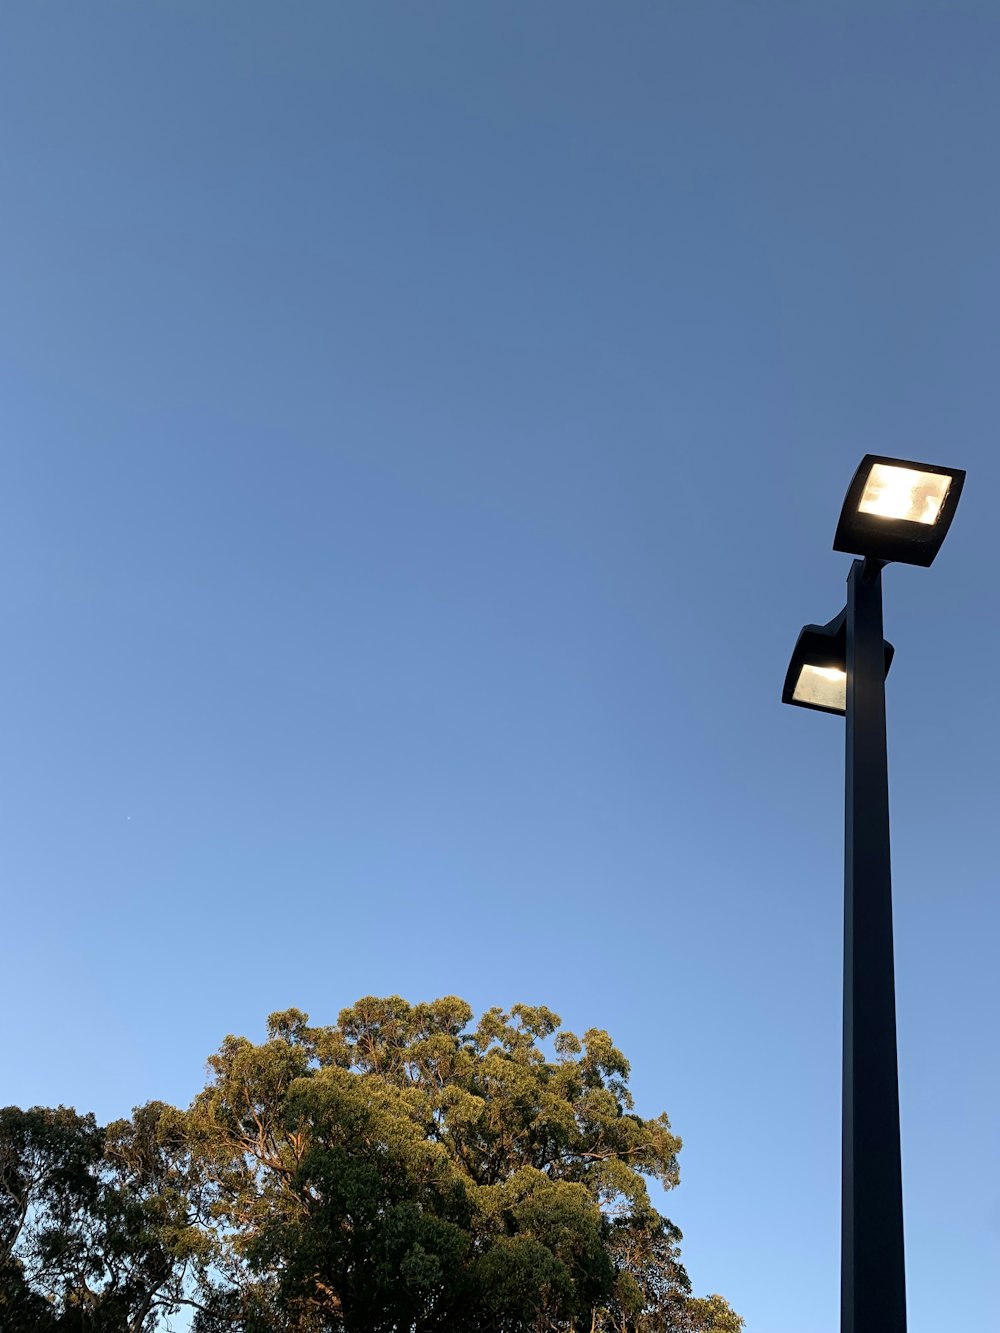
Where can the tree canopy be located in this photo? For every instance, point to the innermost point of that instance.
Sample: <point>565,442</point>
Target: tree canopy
<point>403,1171</point>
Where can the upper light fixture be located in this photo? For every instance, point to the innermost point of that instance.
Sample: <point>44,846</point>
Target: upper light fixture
<point>897,510</point>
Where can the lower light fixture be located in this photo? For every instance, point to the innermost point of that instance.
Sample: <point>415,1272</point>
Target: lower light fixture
<point>817,673</point>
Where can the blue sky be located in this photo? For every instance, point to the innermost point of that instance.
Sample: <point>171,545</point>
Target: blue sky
<point>424,428</point>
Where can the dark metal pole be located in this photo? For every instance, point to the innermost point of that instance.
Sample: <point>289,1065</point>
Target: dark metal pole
<point>873,1288</point>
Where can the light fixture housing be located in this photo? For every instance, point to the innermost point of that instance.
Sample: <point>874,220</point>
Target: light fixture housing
<point>817,673</point>
<point>898,510</point>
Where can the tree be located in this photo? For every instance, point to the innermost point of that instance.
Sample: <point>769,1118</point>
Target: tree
<point>98,1227</point>
<point>402,1171</point>
<point>405,1171</point>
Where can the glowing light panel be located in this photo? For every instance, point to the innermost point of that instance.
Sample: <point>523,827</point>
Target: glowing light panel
<point>823,687</point>
<point>903,492</point>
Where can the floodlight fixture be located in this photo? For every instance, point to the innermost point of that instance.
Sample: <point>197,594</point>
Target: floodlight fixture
<point>896,510</point>
<point>817,673</point>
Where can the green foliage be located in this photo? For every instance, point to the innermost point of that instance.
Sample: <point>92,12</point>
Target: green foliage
<point>404,1170</point>
<point>97,1230</point>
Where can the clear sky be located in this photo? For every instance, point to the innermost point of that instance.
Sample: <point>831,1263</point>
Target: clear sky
<point>423,432</point>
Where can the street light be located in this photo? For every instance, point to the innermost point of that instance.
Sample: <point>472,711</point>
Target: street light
<point>894,510</point>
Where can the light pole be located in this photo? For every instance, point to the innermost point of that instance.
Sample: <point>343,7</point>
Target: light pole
<point>894,511</point>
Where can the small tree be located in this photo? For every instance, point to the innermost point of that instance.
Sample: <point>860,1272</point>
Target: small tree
<point>98,1227</point>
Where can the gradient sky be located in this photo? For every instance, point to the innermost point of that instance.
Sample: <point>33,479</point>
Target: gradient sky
<point>423,432</point>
